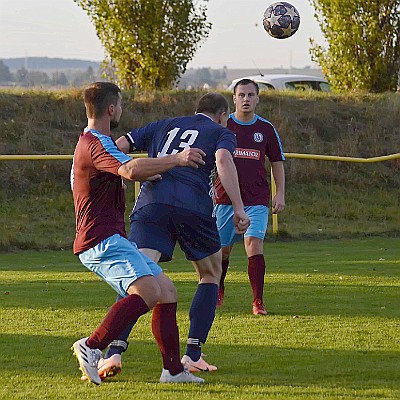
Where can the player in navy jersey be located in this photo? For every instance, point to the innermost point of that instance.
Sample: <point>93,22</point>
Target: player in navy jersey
<point>179,208</point>
<point>101,243</point>
<point>257,140</point>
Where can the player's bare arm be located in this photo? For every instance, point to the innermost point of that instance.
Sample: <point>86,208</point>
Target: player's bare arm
<point>228,175</point>
<point>123,144</point>
<point>187,158</point>
<point>278,172</point>
<point>140,169</point>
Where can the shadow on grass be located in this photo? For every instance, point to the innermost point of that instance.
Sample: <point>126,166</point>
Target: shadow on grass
<point>240,366</point>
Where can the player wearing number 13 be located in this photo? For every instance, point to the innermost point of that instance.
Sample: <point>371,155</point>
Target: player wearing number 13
<point>179,207</point>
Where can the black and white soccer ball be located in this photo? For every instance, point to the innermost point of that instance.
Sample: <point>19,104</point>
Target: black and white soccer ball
<point>281,20</point>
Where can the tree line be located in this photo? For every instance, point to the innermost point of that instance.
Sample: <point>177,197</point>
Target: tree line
<point>31,78</point>
<point>192,79</point>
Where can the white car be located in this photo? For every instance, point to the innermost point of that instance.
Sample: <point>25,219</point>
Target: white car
<point>286,82</point>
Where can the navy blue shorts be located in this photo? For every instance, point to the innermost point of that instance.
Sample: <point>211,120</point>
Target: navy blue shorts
<point>161,226</point>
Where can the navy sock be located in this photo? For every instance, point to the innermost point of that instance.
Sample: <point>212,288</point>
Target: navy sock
<point>202,313</point>
<point>115,349</point>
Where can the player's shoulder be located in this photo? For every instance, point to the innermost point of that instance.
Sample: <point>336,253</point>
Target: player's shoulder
<point>257,120</point>
<point>263,120</point>
<point>94,137</point>
<point>180,121</point>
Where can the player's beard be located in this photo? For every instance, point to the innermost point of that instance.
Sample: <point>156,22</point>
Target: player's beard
<point>114,124</point>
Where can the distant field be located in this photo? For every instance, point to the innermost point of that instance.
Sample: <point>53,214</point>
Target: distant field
<point>332,331</point>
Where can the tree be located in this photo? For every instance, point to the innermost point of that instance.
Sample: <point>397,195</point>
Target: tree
<point>148,43</point>
<point>364,43</point>
<point>59,79</point>
<point>5,74</point>
<point>21,75</point>
<point>37,78</point>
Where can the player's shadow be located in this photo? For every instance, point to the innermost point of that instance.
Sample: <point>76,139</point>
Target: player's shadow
<point>257,366</point>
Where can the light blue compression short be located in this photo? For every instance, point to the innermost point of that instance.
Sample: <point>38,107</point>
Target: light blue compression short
<point>258,223</point>
<point>118,262</point>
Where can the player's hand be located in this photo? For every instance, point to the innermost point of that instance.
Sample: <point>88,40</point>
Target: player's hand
<point>278,203</point>
<point>241,221</point>
<point>191,157</point>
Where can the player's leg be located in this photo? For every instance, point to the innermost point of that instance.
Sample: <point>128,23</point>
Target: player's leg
<point>120,264</point>
<point>202,311</point>
<point>199,239</point>
<point>226,229</point>
<point>254,246</point>
<point>165,329</point>
<point>144,231</point>
<point>112,362</point>
<point>226,251</point>
<point>150,229</point>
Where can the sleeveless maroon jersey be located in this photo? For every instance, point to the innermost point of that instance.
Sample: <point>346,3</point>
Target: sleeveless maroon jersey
<point>256,141</point>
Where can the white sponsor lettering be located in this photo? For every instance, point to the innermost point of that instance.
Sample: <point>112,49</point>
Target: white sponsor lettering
<point>247,153</point>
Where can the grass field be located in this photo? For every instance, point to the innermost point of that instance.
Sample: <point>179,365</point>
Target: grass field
<point>332,332</point>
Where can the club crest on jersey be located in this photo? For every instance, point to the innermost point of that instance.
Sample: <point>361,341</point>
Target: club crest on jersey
<point>258,137</point>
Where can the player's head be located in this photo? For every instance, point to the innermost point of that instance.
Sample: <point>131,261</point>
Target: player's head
<point>101,99</point>
<point>216,106</point>
<point>245,96</point>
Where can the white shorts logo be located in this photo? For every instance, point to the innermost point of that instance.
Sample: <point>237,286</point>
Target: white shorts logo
<point>258,137</point>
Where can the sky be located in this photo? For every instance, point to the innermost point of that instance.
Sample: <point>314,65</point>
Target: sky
<point>60,28</point>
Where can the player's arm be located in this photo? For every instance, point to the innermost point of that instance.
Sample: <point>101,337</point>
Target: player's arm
<point>228,175</point>
<point>123,144</point>
<point>126,144</point>
<point>139,169</point>
<point>278,172</point>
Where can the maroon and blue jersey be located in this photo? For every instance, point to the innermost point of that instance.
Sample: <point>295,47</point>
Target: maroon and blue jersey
<point>99,197</point>
<point>257,140</point>
<point>184,187</point>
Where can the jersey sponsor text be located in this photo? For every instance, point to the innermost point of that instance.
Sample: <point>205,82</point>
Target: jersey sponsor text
<point>247,153</point>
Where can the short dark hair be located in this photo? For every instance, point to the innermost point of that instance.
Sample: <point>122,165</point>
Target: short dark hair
<point>213,103</point>
<point>98,96</point>
<point>246,81</point>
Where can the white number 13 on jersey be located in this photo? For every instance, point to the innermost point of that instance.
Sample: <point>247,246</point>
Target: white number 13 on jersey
<point>187,139</point>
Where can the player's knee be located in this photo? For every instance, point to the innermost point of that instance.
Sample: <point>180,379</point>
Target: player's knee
<point>148,289</point>
<point>152,297</point>
<point>169,293</point>
<point>211,275</point>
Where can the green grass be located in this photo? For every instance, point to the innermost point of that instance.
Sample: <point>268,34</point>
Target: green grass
<point>324,199</point>
<point>44,219</point>
<point>332,331</point>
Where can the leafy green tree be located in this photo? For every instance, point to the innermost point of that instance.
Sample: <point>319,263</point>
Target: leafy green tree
<point>148,43</point>
<point>363,38</point>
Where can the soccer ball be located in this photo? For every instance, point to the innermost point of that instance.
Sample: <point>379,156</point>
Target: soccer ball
<point>281,20</point>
